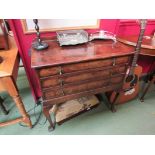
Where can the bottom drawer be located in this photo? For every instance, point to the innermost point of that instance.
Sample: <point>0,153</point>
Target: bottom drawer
<point>52,93</point>
<point>62,99</point>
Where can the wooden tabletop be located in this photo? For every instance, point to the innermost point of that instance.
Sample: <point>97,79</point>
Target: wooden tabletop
<point>97,49</point>
<point>148,44</point>
<point>8,59</point>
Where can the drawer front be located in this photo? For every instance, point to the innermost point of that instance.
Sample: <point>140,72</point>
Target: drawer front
<point>117,80</point>
<point>50,82</point>
<point>48,71</point>
<point>73,89</point>
<point>87,76</point>
<point>122,60</point>
<point>86,86</point>
<point>118,70</point>
<point>78,77</point>
<point>59,70</point>
<point>87,65</point>
<point>75,96</point>
<point>62,91</point>
<point>52,93</point>
<point>73,78</point>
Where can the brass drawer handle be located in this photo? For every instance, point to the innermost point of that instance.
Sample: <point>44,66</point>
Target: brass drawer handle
<point>62,91</point>
<point>60,70</point>
<point>114,62</point>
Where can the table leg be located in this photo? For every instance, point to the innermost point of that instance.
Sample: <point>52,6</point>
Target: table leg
<point>112,99</point>
<point>113,109</point>
<point>46,112</point>
<point>147,88</point>
<point>13,92</point>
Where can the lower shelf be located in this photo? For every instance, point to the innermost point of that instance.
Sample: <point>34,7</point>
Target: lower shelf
<point>72,108</point>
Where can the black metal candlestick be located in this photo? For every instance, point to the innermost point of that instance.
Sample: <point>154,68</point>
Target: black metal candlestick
<point>38,45</point>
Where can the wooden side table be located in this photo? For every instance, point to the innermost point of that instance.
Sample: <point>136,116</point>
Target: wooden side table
<point>148,49</point>
<point>71,72</point>
<point>9,64</point>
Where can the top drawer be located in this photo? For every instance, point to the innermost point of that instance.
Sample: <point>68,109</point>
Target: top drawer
<point>49,71</point>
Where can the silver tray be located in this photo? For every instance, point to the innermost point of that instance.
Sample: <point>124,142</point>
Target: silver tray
<point>72,37</point>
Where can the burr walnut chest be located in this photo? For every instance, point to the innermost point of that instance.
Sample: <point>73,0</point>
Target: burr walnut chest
<point>70,72</point>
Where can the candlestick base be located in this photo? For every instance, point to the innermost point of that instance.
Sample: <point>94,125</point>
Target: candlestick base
<point>40,46</point>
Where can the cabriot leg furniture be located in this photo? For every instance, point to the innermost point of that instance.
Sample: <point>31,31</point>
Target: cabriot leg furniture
<point>46,111</point>
<point>71,72</point>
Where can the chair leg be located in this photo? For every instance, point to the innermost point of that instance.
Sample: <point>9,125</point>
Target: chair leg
<point>3,107</point>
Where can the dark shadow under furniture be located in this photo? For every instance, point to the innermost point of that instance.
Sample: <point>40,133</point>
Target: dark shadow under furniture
<point>150,82</point>
<point>3,107</point>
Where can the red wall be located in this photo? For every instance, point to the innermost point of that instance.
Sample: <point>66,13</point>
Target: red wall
<point>120,27</point>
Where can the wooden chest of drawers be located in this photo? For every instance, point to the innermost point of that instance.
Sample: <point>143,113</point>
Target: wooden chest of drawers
<point>71,72</point>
